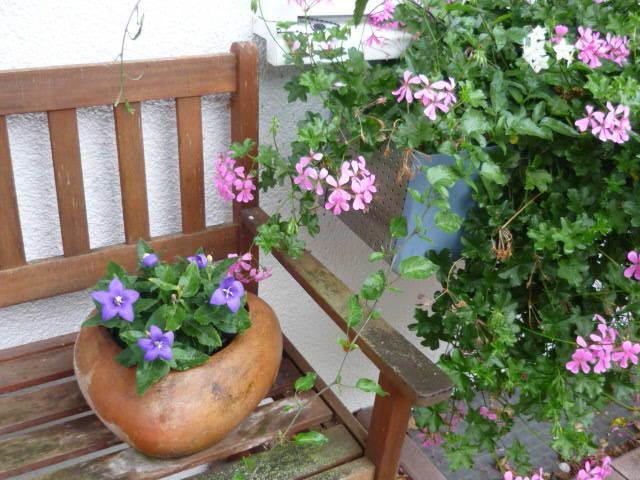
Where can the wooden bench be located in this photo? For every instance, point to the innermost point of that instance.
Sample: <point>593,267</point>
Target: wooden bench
<point>46,428</point>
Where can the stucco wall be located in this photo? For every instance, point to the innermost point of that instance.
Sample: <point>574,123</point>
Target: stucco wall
<point>38,33</point>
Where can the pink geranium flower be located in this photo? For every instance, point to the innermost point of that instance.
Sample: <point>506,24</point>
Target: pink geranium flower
<point>580,358</point>
<point>592,119</point>
<point>560,31</point>
<point>338,200</point>
<point>405,92</point>
<point>633,271</point>
<point>363,189</point>
<point>231,182</point>
<point>628,353</point>
<point>303,179</point>
<point>488,414</point>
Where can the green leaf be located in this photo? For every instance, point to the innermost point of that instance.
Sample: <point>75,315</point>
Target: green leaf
<point>493,173</point>
<point>115,270</point>
<point>473,121</point>
<point>497,93</point>
<point>310,438</point>
<point>162,285</point>
<point>370,386</point>
<point>188,357</point>
<point>205,334</point>
<point>346,345</point>
<point>130,356</point>
<point>398,227</point>
<point>441,176</point>
<point>539,179</point>
<point>417,268</point>
<point>354,312</point>
<point>132,336</point>
<point>93,320</point>
<point>559,127</point>
<point>189,282</point>
<point>174,315</point>
<point>142,248</point>
<point>305,383</point>
<point>144,304</point>
<point>526,126</point>
<point>358,12</point>
<point>373,286</point>
<point>448,221</point>
<point>375,256</point>
<point>150,373</point>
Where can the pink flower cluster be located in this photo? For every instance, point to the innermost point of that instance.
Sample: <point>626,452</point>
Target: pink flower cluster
<point>434,96</point>
<point>593,48</point>
<point>355,183</point>
<point>435,439</point>
<point>595,472</point>
<point>613,125</point>
<point>381,19</point>
<point>603,352</point>
<point>232,182</point>
<point>488,414</point>
<point>244,271</point>
<point>539,475</point>
<point>633,271</point>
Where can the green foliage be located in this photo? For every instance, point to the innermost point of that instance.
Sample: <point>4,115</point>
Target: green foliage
<point>310,438</point>
<point>174,297</point>
<point>305,383</point>
<point>370,386</point>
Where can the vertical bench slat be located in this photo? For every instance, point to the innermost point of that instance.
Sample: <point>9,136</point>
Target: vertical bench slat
<point>244,124</point>
<point>11,247</point>
<point>189,120</point>
<point>133,182</point>
<point>65,150</point>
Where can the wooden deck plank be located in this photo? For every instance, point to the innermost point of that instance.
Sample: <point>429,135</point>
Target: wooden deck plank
<point>289,461</point>
<point>37,449</point>
<point>261,426</point>
<point>39,346</point>
<point>22,410</point>
<point>361,469</point>
<point>35,369</point>
<point>628,465</point>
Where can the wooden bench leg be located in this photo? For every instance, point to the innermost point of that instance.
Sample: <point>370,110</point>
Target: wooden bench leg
<point>387,430</point>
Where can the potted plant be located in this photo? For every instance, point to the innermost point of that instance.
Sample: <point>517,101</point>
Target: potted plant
<point>177,354</point>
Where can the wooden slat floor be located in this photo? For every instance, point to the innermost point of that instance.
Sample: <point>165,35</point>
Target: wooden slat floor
<point>47,431</point>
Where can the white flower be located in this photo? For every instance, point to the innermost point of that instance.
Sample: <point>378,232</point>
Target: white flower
<point>533,50</point>
<point>531,2</point>
<point>564,51</point>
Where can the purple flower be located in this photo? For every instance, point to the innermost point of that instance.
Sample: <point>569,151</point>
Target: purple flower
<point>116,301</point>
<point>200,259</point>
<point>157,345</point>
<point>229,293</point>
<point>150,260</point>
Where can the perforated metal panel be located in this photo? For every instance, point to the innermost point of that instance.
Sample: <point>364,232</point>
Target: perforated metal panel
<point>372,226</point>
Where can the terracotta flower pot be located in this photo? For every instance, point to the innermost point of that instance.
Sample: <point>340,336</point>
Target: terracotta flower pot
<point>186,411</point>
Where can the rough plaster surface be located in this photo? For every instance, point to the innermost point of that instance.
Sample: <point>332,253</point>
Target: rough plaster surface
<point>40,33</point>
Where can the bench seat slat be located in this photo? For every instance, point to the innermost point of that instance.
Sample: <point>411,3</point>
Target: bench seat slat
<point>360,469</point>
<point>37,449</point>
<point>291,462</point>
<point>35,369</point>
<point>11,247</point>
<point>261,426</point>
<point>23,410</point>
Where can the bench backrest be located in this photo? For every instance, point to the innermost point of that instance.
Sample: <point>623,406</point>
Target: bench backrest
<point>59,91</point>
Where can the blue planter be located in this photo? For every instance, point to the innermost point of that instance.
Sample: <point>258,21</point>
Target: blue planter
<point>459,198</point>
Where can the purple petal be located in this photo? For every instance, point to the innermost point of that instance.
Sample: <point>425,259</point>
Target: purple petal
<point>155,333</point>
<point>131,296</point>
<point>109,311</point>
<point>165,353</point>
<point>237,289</point>
<point>151,355</point>
<point>102,297</point>
<point>115,287</point>
<point>168,338</point>
<point>633,256</point>
<point>628,272</point>
<point>145,344</point>
<point>149,260</point>
<point>637,274</point>
<point>234,304</point>
<point>126,312</point>
<point>218,297</point>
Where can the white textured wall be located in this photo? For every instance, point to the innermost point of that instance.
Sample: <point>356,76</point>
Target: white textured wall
<point>37,33</point>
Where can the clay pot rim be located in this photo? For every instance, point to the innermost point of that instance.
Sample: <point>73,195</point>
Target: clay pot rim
<point>235,343</point>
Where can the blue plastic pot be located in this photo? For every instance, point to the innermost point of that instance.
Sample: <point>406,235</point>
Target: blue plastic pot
<point>459,198</point>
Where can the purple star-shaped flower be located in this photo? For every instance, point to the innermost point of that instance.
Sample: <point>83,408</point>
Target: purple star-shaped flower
<point>158,344</point>
<point>116,301</point>
<point>150,260</point>
<point>229,293</point>
<point>200,259</point>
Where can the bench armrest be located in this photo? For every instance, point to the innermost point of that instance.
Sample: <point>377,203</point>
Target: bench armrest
<point>407,367</point>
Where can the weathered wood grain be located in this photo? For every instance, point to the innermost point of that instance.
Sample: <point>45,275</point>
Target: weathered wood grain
<point>67,171</point>
<point>628,465</point>
<point>57,88</point>
<point>133,185</point>
<point>189,121</point>
<point>59,275</point>
<point>290,462</point>
<point>40,448</point>
<point>39,346</point>
<point>11,246</point>
<point>23,410</point>
<point>261,426</point>
<point>360,469</point>
<point>405,366</point>
<point>35,369</point>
